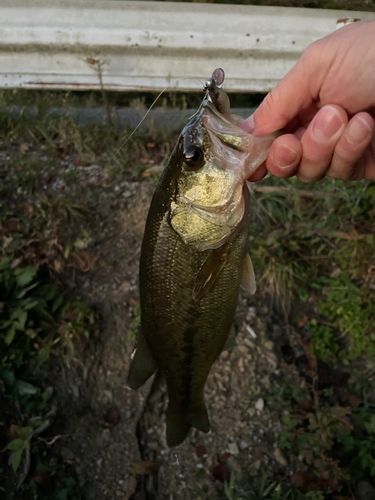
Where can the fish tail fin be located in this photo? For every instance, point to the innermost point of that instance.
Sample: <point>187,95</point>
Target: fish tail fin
<point>178,427</point>
<point>200,421</point>
<point>179,423</point>
<point>143,364</point>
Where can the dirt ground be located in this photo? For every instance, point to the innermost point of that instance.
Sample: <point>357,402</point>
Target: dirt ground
<point>245,422</point>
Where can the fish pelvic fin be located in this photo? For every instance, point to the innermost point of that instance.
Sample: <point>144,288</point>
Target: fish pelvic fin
<point>180,422</point>
<point>143,364</point>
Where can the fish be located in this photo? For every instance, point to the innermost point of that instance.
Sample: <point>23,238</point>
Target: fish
<point>194,256</point>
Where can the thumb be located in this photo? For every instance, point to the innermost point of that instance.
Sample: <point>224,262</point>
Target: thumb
<point>283,103</point>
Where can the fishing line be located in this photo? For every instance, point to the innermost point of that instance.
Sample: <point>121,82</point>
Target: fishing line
<point>149,109</point>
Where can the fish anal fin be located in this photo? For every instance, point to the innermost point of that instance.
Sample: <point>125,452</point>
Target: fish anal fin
<point>230,343</point>
<point>248,275</point>
<point>143,364</point>
<point>209,272</point>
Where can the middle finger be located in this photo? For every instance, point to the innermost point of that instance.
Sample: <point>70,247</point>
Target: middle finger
<point>319,141</point>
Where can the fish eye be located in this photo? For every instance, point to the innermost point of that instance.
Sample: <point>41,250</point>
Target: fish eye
<point>194,158</point>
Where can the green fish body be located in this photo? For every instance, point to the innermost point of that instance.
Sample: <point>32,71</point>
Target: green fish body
<point>193,257</point>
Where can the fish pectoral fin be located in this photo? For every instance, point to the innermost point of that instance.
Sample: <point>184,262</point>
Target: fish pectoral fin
<point>143,364</point>
<point>248,276</point>
<point>209,272</point>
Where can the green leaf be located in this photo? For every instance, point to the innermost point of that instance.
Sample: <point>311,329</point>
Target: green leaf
<point>57,303</point>
<point>15,444</point>
<point>5,263</point>
<point>25,275</point>
<point>24,433</point>
<point>290,422</point>
<point>16,459</point>
<point>51,292</point>
<point>23,292</point>
<point>9,337</point>
<point>25,388</point>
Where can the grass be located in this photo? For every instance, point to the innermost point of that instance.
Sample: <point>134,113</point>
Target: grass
<point>39,320</point>
<point>313,248</point>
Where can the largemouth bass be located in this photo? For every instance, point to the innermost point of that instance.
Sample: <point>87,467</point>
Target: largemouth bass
<point>194,256</point>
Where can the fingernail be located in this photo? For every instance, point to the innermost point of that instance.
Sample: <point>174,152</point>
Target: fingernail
<point>327,123</point>
<point>358,130</point>
<point>284,156</point>
<point>249,124</point>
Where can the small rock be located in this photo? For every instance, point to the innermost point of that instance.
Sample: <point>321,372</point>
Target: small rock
<point>243,349</point>
<point>365,491</point>
<point>106,434</point>
<point>259,405</point>
<point>243,445</point>
<point>68,455</point>
<point>272,360</point>
<point>269,345</point>
<point>279,457</point>
<point>257,465</point>
<point>240,365</point>
<point>233,448</point>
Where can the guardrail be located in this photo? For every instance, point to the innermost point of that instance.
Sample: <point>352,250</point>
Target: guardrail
<point>122,45</point>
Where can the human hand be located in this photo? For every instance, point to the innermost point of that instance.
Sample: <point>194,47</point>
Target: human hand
<point>326,106</point>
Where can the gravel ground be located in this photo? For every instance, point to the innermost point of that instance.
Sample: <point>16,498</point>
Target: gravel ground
<point>245,422</point>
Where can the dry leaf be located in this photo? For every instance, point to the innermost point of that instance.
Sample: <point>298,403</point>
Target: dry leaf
<point>77,162</point>
<point>355,401</point>
<point>132,487</point>
<point>111,417</point>
<point>13,431</point>
<point>28,209</point>
<point>24,148</point>
<point>200,450</point>
<point>43,479</point>
<point>306,482</point>
<point>222,473</point>
<point>144,467</point>
<point>302,321</point>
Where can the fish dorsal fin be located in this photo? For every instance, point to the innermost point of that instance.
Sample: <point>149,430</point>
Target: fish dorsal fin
<point>248,276</point>
<point>209,272</point>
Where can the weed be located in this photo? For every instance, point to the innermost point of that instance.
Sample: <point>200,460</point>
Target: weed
<point>38,320</point>
<point>136,321</point>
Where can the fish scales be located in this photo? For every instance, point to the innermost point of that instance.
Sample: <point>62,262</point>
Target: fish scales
<point>194,332</point>
<point>192,259</point>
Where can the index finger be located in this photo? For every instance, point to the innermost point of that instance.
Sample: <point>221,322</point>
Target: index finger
<point>290,96</point>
